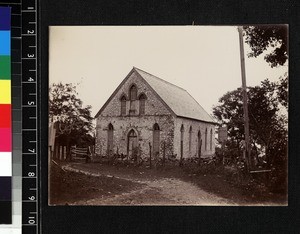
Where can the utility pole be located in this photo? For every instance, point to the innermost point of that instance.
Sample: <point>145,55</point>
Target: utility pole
<point>245,98</point>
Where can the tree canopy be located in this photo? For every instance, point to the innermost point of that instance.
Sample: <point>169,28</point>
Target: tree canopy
<point>268,131</point>
<point>72,120</point>
<point>260,38</point>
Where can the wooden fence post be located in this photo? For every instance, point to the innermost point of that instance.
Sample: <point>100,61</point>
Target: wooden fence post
<point>150,153</point>
<point>56,152</point>
<point>65,153</point>
<point>61,152</point>
<point>164,153</point>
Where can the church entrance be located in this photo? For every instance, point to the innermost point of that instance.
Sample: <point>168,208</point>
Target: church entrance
<point>132,145</point>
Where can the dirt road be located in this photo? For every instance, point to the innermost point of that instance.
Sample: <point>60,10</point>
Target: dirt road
<point>155,190</point>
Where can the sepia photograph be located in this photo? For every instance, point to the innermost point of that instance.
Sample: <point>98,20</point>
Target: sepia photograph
<point>168,115</point>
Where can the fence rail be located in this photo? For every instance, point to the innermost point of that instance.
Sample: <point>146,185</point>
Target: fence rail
<point>62,153</point>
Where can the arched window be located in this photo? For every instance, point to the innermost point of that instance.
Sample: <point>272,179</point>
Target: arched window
<point>156,139</point>
<point>181,141</point>
<point>110,139</point>
<point>211,138</point>
<point>199,143</point>
<point>142,100</point>
<point>190,138</point>
<point>123,105</point>
<point>132,98</point>
<point>205,146</point>
<point>132,93</point>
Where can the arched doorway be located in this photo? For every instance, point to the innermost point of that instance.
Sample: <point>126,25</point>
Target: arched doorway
<point>156,139</point>
<point>132,144</point>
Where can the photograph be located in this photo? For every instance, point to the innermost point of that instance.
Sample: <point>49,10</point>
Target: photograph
<point>168,115</point>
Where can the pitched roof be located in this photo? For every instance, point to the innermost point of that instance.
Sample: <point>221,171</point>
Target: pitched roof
<point>178,99</point>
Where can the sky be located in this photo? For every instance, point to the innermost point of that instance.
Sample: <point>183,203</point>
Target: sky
<point>204,60</point>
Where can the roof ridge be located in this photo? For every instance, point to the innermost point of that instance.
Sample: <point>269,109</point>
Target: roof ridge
<point>159,78</point>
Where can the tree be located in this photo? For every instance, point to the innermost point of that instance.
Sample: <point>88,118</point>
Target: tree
<point>282,90</point>
<point>73,121</point>
<point>267,127</point>
<point>263,37</point>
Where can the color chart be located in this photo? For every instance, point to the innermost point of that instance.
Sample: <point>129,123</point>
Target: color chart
<point>13,112</point>
<point>19,95</point>
<point>5,118</point>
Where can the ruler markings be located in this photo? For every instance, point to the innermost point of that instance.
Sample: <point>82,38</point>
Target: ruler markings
<point>29,41</point>
<point>28,34</point>
<point>30,10</point>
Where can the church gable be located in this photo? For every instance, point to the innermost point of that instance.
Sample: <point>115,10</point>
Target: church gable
<point>134,97</point>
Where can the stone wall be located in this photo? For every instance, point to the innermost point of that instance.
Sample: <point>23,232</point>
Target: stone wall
<point>155,112</point>
<point>191,149</point>
<point>143,128</point>
<point>153,106</point>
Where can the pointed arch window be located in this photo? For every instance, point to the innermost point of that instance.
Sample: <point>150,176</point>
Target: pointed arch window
<point>211,139</point>
<point>123,105</point>
<point>132,98</point>
<point>199,144</point>
<point>205,146</point>
<point>156,139</point>
<point>181,141</point>
<point>190,138</point>
<point>110,138</point>
<point>132,93</point>
<point>142,100</point>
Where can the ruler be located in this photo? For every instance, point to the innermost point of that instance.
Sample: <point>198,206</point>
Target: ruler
<point>24,81</point>
<point>30,181</point>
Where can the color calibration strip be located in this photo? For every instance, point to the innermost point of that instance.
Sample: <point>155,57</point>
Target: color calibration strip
<point>16,117</point>
<point>5,118</point>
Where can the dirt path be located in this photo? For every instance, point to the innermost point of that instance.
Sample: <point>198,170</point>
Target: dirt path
<point>153,191</point>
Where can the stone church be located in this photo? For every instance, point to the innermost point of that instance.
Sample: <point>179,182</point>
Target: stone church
<point>146,109</point>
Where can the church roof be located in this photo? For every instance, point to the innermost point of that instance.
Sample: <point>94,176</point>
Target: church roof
<point>178,99</point>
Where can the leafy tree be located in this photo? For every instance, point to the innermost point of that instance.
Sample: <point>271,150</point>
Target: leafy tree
<point>263,37</point>
<point>73,121</point>
<point>267,128</point>
<point>282,90</point>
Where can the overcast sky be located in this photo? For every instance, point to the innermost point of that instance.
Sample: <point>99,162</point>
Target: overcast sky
<point>204,60</point>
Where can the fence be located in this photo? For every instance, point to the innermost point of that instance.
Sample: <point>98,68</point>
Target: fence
<point>59,152</point>
<point>80,154</point>
<point>62,153</point>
